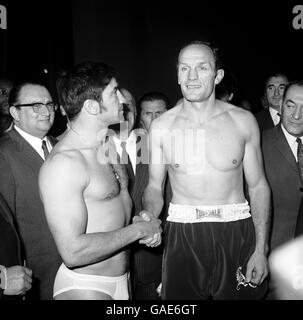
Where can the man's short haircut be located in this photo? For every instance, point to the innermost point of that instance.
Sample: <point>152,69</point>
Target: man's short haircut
<point>82,82</point>
<point>214,49</point>
<point>150,96</point>
<point>291,84</point>
<point>275,75</point>
<point>15,92</point>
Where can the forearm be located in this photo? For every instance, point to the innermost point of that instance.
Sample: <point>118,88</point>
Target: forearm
<point>95,247</point>
<point>260,210</point>
<point>152,201</point>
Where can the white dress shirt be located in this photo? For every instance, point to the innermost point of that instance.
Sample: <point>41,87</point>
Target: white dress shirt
<point>35,142</point>
<point>131,148</point>
<point>274,115</point>
<point>291,140</point>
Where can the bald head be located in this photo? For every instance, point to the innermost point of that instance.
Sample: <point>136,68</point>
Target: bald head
<point>197,72</point>
<point>194,51</point>
<point>195,45</point>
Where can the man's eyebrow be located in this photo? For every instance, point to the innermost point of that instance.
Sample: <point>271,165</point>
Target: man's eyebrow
<point>289,100</point>
<point>198,63</point>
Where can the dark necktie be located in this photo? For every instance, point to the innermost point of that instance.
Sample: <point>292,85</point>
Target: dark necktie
<point>124,154</point>
<point>45,150</point>
<point>300,157</point>
<point>125,160</point>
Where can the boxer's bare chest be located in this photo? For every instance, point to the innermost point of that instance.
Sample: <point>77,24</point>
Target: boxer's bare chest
<point>217,145</point>
<point>106,178</point>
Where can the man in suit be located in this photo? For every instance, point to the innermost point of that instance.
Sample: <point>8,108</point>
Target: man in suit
<point>147,262</point>
<point>22,153</point>
<point>280,149</point>
<point>274,88</point>
<point>15,279</point>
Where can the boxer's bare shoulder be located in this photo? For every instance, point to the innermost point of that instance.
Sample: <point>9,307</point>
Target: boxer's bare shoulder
<point>166,120</point>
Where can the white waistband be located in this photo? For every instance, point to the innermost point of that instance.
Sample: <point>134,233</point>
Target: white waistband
<point>213,213</point>
<point>92,277</point>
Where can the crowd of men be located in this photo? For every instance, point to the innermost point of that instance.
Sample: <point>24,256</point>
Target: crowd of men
<point>143,200</point>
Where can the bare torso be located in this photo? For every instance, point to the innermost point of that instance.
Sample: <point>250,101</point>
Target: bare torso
<point>107,202</point>
<point>205,159</point>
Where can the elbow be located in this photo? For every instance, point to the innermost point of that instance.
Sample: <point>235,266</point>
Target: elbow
<point>71,257</point>
<point>70,260</point>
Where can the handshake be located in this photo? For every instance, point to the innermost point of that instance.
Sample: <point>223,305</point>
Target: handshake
<point>150,229</point>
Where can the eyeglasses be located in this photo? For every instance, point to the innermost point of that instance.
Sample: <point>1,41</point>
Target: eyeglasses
<point>37,106</point>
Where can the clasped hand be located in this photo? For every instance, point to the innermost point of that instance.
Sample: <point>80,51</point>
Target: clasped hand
<point>152,229</point>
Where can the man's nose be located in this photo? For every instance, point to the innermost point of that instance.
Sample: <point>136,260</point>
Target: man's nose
<point>121,98</point>
<point>193,75</point>
<point>297,113</point>
<point>153,116</point>
<point>44,110</point>
<point>276,92</point>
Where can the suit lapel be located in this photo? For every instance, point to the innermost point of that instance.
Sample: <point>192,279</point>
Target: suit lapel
<point>25,148</point>
<point>282,145</point>
<point>269,119</point>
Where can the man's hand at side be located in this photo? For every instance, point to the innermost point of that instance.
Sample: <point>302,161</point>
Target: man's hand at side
<point>257,268</point>
<point>19,280</point>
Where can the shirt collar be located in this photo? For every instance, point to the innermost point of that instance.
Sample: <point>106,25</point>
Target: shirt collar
<point>292,140</point>
<point>35,142</point>
<point>275,115</point>
<point>130,139</point>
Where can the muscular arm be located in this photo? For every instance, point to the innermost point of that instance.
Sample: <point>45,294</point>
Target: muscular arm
<point>62,182</point>
<point>153,194</point>
<point>258,189</point>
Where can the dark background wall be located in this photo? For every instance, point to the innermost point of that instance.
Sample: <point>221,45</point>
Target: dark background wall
<point>142,39</point>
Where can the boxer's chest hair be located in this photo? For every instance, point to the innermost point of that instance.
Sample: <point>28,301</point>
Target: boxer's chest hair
<point>120,174</point>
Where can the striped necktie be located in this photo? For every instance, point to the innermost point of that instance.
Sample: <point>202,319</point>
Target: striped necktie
<point>124,154</point>
<point>300,157</point>
<point>45,150</point>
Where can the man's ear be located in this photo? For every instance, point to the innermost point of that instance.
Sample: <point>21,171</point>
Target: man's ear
<point>219,76</point>
<point>91,107</point>
<point>15,113</point>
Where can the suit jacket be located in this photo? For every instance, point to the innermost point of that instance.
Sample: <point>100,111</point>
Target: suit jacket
<point>283,176</point>
<point>19,170</point>
<point>146,262</point>
<point>10,254</point>
<point>299,225</point>
<point>264,120</point>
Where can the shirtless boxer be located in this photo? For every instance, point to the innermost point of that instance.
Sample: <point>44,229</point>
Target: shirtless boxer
<point>206,144</point>
<point>85,194</point>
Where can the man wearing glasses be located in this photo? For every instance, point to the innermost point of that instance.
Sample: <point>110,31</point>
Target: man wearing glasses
<point>22,152</point>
